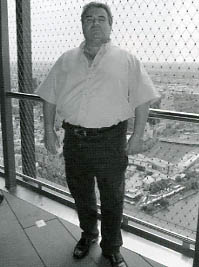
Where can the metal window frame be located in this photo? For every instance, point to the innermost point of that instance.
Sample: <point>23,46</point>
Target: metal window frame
<point>196,252</point>
<point>6,107</point>
<point>25,85</point>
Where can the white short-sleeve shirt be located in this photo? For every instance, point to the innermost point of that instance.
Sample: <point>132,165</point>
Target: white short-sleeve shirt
<point>99,95</point>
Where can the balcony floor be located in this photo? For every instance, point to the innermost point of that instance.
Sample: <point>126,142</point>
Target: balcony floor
<point>31,237</point>
<point>37,231</point>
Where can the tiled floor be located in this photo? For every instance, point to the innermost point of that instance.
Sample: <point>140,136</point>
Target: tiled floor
<point>32,237</point>
<point>45,233</point>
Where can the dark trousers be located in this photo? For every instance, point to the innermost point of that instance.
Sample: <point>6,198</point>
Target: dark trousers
<point>102,156</point>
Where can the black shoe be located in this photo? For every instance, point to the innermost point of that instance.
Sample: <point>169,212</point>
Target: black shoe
<point>116,259</point>
<point>1,198</point>
<point>83,246</point>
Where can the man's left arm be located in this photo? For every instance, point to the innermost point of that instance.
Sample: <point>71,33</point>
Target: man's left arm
<point>135,143</point>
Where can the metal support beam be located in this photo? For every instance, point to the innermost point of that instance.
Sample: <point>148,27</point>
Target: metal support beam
<point>5,103</point>
<point>25,86</point>
<point>196,254</point>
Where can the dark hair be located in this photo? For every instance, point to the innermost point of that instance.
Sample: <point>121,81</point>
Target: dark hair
<point>98,5</point>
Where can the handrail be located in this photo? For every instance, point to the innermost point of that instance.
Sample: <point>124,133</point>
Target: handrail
<point>153,113</point>
<point>20,95</point>
<point>174,115</point>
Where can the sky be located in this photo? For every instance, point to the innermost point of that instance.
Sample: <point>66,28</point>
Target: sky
<point>154,30</point>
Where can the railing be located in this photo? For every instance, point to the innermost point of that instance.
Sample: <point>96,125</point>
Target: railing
<point>164,232</point>
<point>153,30</point>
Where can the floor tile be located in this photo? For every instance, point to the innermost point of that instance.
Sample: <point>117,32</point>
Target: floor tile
<point>73,229</point>
<point>134,260</point>
<point>26,213</point>
<point>153,263</point>
<point>55,245</point>
<point>15,247</point>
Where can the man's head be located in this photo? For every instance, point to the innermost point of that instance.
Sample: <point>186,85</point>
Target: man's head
<point>96,22</point>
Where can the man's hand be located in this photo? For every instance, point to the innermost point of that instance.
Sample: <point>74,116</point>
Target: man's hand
<point>134,145</point>
<point>51,141</point>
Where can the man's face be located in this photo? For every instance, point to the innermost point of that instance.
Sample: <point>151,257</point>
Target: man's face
<point>95,25</point>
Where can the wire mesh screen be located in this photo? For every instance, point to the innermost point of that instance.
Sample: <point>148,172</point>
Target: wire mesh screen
<point>163,34</point>
<point>41,164</point>
<point>162,182</point>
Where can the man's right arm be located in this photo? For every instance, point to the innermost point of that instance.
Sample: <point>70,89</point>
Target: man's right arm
<point>50,137</point>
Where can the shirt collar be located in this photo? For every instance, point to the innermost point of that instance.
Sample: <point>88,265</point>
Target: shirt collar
<point>104,47</point>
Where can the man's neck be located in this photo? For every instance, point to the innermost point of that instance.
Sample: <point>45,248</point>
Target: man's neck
<point>95,44</point>
<point>91,49</point>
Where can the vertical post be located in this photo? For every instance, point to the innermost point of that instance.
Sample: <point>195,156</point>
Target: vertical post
<point>26,86</point>
<point>5,103</point>
<point>196,254</point>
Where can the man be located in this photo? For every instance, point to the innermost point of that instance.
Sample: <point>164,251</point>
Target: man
<point>96,88</point>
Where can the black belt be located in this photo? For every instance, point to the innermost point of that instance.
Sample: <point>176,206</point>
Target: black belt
<point>87,132</point>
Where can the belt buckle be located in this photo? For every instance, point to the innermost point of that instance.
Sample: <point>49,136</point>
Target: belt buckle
<point>80,132</point>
